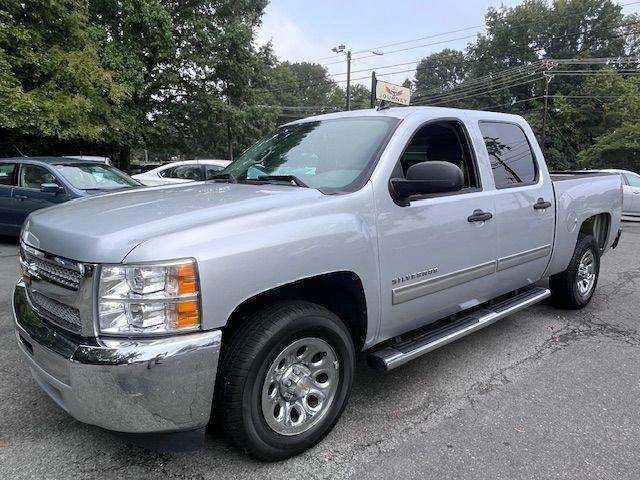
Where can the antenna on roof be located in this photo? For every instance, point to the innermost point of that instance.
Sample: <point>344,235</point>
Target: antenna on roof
<point>18,150</point>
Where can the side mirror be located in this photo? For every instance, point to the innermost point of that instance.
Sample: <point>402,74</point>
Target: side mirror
<point>426,178</point>
<point>50,188</point>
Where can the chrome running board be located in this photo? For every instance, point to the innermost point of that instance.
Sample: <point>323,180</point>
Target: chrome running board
<point>407,349</point>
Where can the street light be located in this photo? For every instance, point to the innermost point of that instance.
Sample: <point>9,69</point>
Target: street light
<point>340,49</point>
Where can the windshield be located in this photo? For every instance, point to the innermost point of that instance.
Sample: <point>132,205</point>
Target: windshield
<point>327,155</point>
<point>95,177</point>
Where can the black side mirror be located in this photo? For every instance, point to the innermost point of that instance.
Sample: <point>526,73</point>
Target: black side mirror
<point>427,178</point>
<point>50,188</point>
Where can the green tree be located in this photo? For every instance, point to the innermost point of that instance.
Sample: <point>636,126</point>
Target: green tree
<point>439,73</point>
<point>189,68</point>
<point>53,88</point>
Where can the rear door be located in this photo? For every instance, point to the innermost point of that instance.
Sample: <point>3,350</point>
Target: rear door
<point>632,194</point>
<point>524,198</point>
<point>27,195</point>
<point>8,220</point>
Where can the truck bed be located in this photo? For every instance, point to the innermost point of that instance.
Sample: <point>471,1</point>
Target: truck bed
<point>579,196</point>
<point>563,175</point>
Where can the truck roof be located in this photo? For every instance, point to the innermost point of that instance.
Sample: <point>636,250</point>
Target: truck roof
<point>426,112</point>
<point>48,160</point>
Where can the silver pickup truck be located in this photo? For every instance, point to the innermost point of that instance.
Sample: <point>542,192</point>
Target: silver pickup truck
<point>244,299</point>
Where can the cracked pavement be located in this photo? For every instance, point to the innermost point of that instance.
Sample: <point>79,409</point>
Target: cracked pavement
<point>544,393</point>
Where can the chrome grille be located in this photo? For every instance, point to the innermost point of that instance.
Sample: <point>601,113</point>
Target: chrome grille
<point>53,270</point>
<point>60,290</point>
<point>55,273</point>
<point>62,315</point>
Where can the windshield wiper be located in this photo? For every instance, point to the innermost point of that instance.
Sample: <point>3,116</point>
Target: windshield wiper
<point>284,178</point>
<point>223,177</point>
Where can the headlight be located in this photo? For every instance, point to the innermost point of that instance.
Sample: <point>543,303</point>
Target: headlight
<point>148,299</point>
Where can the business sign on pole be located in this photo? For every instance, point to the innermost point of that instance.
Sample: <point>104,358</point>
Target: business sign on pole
<point>392,93</point>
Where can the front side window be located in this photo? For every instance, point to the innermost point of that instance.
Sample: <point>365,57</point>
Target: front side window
<point>95,177</point>
<point>33,176</point>
<point>330,155</point>
<point>441,142</point>
<point>512,160</point>
<point>634,180</point>
<point>6,173</point>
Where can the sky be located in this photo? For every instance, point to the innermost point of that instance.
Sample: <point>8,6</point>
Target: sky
<point>304,30</point>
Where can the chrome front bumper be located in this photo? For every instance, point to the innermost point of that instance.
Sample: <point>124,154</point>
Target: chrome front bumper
<point>135,386</point>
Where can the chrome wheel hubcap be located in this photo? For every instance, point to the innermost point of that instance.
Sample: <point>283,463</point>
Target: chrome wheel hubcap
<point>586,274</point>
<point>300,386</point>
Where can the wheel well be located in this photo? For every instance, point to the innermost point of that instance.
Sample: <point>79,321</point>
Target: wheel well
<point>340,292</point>
<point>598,226</point>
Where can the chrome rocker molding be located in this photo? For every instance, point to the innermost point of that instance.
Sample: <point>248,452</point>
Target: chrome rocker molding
<point>427,287</point>
<point>523,257</point>
<point>125,385</point>
<point>393,356</point>
<point>443,282</point>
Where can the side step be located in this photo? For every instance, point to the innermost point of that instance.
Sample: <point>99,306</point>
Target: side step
<point>401,352</point>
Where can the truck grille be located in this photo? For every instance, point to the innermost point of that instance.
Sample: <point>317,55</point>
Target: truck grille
<point>51,272</point>
<point>60,290</point>
<point>62,315</point>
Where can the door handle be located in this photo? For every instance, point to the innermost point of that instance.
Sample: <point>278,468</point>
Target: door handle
<point>479,216</point>
<point>541,204</point>
<point>20,197</point>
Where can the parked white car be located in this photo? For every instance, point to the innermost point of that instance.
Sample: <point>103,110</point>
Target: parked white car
<point>182,172</point>
<point>631,191</point>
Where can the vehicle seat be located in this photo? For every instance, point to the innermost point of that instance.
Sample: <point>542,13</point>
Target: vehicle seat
<point>446,151</point>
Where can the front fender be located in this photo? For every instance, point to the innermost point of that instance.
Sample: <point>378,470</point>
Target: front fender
<point>242,257</point>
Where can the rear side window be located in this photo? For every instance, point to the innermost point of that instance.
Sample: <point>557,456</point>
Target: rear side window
<point>634,180</point>
<point>6,173</point>
<point>184,172</point>
<point>512,160</point>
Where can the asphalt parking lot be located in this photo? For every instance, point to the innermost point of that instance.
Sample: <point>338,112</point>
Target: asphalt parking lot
<point>545,393</point>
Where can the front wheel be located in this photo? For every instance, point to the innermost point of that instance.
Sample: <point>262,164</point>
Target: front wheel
<point>574,287</point>
<point>285,378</point>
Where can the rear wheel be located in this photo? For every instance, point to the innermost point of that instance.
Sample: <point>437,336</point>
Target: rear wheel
<point>284,380</point>
<point>574,287</point>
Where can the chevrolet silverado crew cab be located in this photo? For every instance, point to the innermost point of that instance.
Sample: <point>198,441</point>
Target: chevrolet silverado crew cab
<point>244,299</point>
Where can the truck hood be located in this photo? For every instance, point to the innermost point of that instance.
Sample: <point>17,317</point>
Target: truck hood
<point>104,229</point>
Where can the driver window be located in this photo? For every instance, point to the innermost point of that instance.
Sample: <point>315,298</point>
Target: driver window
<point>444,142</point>
<point>32,176</point>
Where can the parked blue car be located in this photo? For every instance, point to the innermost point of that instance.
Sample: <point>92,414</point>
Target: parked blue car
<point>31,183</point>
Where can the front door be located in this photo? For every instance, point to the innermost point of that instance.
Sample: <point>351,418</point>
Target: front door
<point>631,194</point>
<point>435,260</point>
<point>7,212</point>
<point>27,195</point>
<point>525,210</point>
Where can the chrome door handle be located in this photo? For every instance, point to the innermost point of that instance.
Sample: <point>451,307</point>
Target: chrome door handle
<point>479,216</point>
<point>20,197</point>
<point>541,204</point>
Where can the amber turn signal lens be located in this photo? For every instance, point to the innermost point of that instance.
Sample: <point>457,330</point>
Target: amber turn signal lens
<point>188,315</point>
<point>186,280</point>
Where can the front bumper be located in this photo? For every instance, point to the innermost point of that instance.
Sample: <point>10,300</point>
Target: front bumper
<point>126,385</point>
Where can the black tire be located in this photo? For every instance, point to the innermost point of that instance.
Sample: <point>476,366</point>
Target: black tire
<point>564,285</point>
<point>246,360</point>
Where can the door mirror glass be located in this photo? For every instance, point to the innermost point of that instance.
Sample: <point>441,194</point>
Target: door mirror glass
<point>428,178</point>
<point>50,188</point>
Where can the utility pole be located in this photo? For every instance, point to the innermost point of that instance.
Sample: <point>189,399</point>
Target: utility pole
<point>348,80</point>
<point>372,101</point>
<point>547,80</point>
<point>342,49</point>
